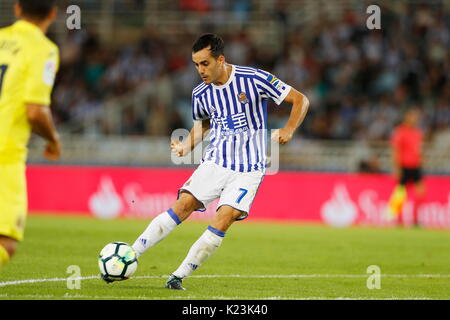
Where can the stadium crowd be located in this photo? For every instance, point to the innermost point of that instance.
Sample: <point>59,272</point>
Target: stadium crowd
<point>359,81</point>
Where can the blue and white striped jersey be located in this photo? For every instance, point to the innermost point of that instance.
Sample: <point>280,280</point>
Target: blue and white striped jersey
<point>238,115</point>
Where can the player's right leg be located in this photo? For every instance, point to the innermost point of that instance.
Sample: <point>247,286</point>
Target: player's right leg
<point>165,222</point>
<point>201,188</point>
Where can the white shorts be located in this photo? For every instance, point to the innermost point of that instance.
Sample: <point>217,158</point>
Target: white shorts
<point>235,189</point>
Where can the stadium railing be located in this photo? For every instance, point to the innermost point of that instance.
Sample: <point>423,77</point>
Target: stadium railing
<point>299,154</point>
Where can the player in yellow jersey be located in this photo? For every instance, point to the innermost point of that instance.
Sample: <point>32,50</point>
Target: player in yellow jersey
<point>28,65</point>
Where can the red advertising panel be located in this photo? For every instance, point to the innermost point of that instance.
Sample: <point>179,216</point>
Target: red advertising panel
<point>335,199</point>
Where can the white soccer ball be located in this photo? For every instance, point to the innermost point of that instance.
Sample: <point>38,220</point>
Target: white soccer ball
<point>117,261</point>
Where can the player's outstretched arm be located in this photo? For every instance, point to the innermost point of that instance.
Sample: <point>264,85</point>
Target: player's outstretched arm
<point>41,121</point>
<point>196,135</point>
<point>300,105</point>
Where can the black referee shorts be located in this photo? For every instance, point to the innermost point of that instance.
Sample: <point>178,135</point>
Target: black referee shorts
<point>410,175</point>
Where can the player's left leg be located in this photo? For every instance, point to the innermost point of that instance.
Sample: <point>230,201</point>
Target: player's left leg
<point>205,246</point>
<point>13,208</point>
<point>8,247</point>
<point>398,197</point>
<point>420,192</point>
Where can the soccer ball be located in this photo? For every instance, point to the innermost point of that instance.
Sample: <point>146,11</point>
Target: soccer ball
<point>117,261</point>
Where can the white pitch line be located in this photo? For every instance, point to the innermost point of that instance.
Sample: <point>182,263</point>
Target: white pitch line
<point>275,276</point>
<point>319,276</point>
<point>67,296</point>
<point>16,282</point>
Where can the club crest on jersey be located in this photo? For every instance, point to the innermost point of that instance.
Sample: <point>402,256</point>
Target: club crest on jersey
<point>242,98</point>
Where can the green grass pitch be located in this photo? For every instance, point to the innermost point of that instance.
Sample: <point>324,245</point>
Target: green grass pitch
<point>255,261</point>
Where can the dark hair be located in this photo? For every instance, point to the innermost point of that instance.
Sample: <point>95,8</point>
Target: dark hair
<point>37,9</point>
<point>209,39</point>
<point>412,108</point>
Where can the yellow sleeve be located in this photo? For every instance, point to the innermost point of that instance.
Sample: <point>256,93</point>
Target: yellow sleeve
<point>42,68</point>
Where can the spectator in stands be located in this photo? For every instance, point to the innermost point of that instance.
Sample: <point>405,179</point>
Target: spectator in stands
<point>357,78</point>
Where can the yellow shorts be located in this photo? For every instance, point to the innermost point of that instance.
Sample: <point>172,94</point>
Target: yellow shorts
<point>13,200</point>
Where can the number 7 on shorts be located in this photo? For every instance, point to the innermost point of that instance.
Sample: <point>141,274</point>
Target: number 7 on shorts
<point>242,195</point>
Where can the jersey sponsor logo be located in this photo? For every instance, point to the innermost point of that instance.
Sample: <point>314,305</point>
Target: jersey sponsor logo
<point>271,78</point>
<point>276,83</point>
<point>234,123</point>
<point>49,72</point>
<point>280,86</point>
<point>243,98</point>
<point>239,120</point>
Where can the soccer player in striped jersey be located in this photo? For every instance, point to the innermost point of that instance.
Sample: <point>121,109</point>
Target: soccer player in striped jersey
<point>230,103</point>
